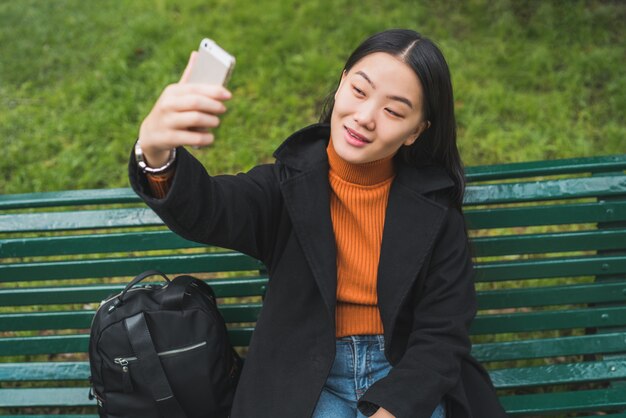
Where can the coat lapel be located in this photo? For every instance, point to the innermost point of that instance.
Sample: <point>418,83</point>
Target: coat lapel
<point>412,223</point>
<point>306,193</point>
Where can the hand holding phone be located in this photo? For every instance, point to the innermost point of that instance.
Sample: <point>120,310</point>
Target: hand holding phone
<point>186,111</point>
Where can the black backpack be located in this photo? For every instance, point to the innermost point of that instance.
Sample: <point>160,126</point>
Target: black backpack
<point>162,351</point>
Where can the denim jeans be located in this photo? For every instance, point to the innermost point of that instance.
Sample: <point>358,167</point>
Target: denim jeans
<point>359,362</point>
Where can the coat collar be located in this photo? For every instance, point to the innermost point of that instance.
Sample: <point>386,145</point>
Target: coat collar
<point>411,221</point>
<point>306,150</point>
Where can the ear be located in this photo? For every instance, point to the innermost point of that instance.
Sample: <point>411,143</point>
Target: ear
<point>420,129</point>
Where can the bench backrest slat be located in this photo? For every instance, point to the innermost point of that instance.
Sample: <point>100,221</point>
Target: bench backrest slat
<point>94,244</point>
<point>60,295</point>
<point>545,190</point>
<point>131,266</point>
<point>551,267</point>
<point>566,214</point>
<point>569,294</point>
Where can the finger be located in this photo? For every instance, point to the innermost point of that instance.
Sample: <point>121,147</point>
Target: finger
<point>192,138</point>
<point>214,91</point>
<point>187,72</point>
<point>194,102</point>
<point>184,120</point>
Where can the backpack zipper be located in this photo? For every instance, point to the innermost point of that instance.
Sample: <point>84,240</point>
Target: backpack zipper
<point>123,362</point>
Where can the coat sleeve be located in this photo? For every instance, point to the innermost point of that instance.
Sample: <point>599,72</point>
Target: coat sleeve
<point>439,337</point>
<point>229,211</point>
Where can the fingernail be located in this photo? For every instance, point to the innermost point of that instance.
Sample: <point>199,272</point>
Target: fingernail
<point>226,94</point>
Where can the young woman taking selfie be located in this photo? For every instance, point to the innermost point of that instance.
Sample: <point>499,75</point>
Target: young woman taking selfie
<point>360,226</point>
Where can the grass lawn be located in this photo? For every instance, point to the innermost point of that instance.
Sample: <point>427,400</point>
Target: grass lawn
<point>533,80</point>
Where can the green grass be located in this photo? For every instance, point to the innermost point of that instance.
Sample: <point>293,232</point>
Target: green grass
<point>533,80</point>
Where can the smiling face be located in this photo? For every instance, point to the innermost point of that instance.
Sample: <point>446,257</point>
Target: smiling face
<point>378,109</point>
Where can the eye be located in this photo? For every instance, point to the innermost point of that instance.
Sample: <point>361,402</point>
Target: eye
<point>358,91</point>
<point>392,113</point>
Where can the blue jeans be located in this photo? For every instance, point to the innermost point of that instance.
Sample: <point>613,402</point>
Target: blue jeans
<point>359,362</point>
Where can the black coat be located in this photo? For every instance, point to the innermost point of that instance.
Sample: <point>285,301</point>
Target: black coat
<point>280,214</point>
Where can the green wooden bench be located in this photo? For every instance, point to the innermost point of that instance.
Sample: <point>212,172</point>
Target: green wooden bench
<point>550,242</point>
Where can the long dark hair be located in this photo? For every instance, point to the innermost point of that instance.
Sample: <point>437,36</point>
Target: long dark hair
<point>437,144</point>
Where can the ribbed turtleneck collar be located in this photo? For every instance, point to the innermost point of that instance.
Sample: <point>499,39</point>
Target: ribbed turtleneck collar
<point>366,174</point>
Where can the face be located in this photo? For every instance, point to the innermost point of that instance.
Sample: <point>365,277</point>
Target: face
<point>378,109</point>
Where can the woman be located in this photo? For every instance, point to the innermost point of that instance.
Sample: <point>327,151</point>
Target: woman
<point>359,224</point>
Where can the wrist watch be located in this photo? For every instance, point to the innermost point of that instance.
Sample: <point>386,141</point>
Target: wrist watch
<point>141,161</point>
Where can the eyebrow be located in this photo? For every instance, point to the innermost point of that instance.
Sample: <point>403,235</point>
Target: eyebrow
<point>397,98</point>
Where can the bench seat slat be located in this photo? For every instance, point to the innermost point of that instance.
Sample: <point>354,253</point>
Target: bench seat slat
<point>131,266</point>
<point>581,400</point>
<point>552,295</point>
<point>44,371</point>
<point>94,243</point>
<point>33,321</point>
<point>565,214</point>
<point>614,342</point>
<point>605,239</point>
<point>549,320</point>
<point>541,268</point>
<point>60,295</point>
<point>558,374</point>
<point>545,190</point>
<point>35,397</point>
<point>502,378</point>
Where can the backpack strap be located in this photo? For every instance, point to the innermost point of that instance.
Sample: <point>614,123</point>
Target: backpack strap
<point>179,287</point>
<point>150,368</point>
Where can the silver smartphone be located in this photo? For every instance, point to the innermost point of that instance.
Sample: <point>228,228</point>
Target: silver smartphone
<point>213,64</point>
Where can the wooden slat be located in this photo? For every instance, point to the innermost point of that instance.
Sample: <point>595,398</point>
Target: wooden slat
<point>549,320</point>
<point>93,244</point>
<point>606,239</point>
<point>44,371</point>
<point>551,347</point>
<point>67,198</point>
<point>547,168</point>
<point>34,321</point>
<point>550,267</point>
<point>60,295</point>
<point>57,415</point>
<point>56,344</point>
<point>545,190</point>
<point>119,267</point>
<point>581,400</point>
<point>559,374</point>
<point>552,295</point>
<point>484,324</point>
<point>49,397</point>
<point>75,220</point>
<point>564,214</point>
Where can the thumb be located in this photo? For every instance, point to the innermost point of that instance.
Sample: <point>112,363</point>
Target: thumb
<point>187,72</point>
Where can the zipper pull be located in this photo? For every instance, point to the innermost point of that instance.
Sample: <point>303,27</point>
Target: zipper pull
<point>127,383</point>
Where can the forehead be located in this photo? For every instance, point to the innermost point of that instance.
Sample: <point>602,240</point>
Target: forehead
<point>389,74</point>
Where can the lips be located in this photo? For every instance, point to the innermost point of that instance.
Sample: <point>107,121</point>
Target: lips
<point>356,135</point>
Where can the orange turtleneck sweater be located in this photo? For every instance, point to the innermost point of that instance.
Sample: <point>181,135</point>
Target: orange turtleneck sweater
<point>358,201</point>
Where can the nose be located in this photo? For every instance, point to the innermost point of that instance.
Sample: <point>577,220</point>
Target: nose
<point>364,116</point>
